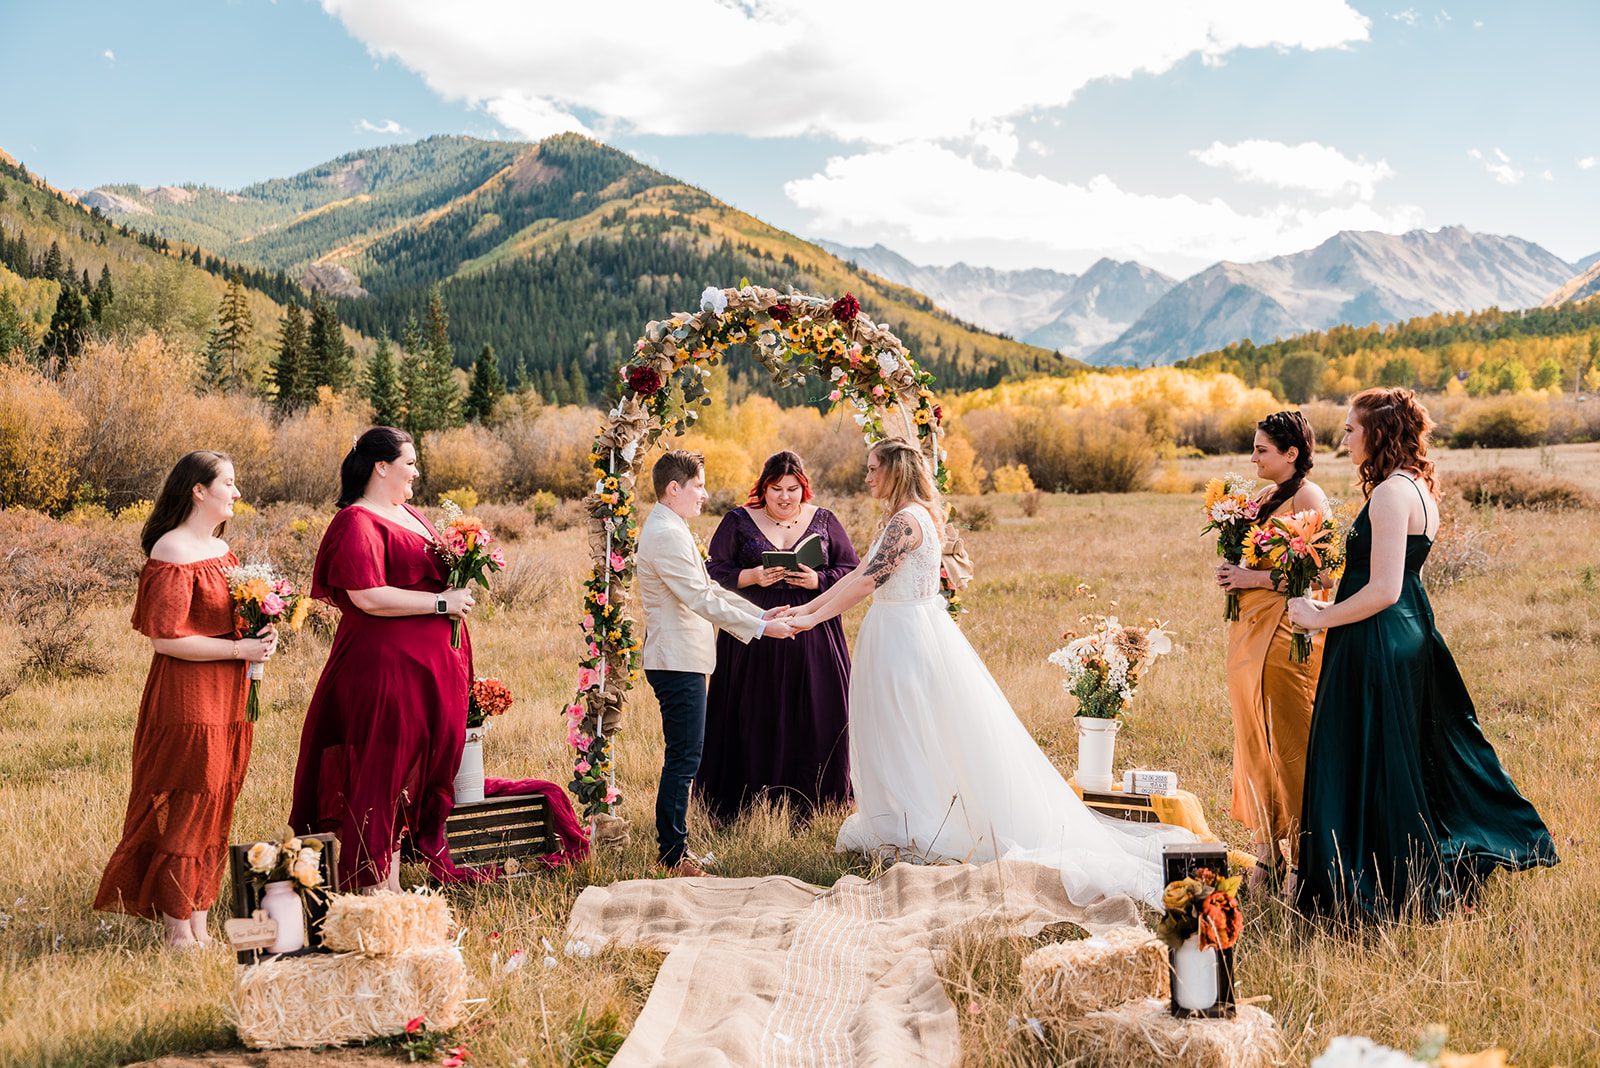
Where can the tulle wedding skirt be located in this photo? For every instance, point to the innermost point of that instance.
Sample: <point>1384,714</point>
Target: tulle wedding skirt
<point>943,770</point>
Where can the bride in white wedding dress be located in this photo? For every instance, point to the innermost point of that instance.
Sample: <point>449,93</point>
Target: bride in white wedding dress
<point>940,765</point>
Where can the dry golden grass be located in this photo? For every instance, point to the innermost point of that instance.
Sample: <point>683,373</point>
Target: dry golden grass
<point>77,988</point>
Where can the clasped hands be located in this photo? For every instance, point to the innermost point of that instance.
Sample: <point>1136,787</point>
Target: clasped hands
<point>785,622</point>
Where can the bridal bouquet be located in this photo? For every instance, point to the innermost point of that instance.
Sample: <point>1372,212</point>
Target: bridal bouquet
<point>262,597</point>
<point>1104,666</point>
<point>468,554</point>
<point>1297,548</point>
<point>1230,511</point>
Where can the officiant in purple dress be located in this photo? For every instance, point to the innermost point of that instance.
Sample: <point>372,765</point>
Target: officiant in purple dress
<point>777,713</point>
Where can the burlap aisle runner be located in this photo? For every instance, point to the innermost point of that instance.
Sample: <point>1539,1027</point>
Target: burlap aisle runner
<point>774,971</point>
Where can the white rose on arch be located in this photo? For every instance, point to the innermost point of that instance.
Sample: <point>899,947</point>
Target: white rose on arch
<point>714,300</point>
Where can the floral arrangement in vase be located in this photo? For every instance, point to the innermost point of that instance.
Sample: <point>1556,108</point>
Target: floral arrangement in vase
<point>286,872</point>
<point>1104,666</point>
<point>488,697</point>
<point>1201,921</point>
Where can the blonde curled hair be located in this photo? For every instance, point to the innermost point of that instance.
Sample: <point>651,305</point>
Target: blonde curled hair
<point>907,479</point>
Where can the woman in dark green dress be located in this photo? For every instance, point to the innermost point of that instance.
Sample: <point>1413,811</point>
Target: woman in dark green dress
<point>1407,808</point>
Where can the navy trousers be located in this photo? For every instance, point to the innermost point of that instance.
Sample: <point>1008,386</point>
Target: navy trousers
<point>682,696</point>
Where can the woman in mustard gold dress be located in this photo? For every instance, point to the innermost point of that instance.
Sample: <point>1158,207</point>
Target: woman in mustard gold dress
<point>1270,694</point>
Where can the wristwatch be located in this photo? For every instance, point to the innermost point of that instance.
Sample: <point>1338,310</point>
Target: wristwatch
<point>440,606</point>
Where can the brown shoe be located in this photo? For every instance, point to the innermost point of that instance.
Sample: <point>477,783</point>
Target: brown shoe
<point>684,869</point>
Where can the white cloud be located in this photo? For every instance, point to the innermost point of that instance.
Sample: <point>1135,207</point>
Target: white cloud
<point>928,194</point>
<point>1547,176</point>
<point>109,56</point>
<point>387,126</point>
<point>1588,163</point>
<point>999,142</point>
<point>1409,16</point>
<point>1314,167</point>
<point>1500,167</point>
<point>883,73</point>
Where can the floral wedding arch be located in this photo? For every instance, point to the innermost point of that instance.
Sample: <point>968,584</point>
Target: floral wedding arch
<point>664,385</point>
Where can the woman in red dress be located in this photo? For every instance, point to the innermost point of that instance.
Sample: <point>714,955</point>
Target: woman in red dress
<point>383,735</point>
<point>192,742</point>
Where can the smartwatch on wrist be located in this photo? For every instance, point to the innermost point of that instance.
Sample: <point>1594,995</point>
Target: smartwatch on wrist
<point>440,606</point>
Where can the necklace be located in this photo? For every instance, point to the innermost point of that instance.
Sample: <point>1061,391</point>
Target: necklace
<point>786,526</point>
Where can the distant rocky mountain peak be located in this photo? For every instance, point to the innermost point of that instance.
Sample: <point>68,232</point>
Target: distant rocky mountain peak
<point>1072,314</point>
<point>1354,276</point>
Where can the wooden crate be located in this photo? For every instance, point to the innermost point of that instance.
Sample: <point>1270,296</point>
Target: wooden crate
<point>246,898</point>
<point>1118,804</point>
<point>501,828</point>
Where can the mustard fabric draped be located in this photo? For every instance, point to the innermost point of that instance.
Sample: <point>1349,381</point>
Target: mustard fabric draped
<point>1271,699</point>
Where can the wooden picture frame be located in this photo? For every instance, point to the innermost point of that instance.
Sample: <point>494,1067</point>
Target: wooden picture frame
<point>246,898</point>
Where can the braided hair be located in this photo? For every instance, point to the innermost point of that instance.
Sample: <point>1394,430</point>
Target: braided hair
<point>1289,430</point>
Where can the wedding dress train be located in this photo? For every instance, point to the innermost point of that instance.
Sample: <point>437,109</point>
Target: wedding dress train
<point>943,770</point>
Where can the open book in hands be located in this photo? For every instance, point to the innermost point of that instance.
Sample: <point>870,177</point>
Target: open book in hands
<point>806,551</point>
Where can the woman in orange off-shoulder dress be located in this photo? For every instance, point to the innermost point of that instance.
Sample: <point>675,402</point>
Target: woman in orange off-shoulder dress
<point>191,745</point>
<point>1270,694</point>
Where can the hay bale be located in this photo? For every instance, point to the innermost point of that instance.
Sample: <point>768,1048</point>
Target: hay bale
<point>329,999</point>
<point>1065,980</point>
<point>1142,1033</point>
<point>386,922</point>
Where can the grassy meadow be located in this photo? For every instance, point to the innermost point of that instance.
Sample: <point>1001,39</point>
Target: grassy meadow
<point>1522,971</point>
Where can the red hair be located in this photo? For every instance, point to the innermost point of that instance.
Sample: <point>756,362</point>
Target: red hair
<point>779,465</point>
<point>1396,427</point>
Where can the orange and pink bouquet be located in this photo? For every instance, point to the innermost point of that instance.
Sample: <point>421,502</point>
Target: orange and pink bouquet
<point>1230,511</point>
<point>469,555</point>
<point>262,598</point>
<point>1298,548</point>
<point>1205,904</point>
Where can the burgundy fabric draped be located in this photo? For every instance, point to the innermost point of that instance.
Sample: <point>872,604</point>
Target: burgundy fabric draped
<point>383,735</point>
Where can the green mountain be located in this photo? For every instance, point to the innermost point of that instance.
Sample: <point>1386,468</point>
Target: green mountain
<point>555,253</point>
<point>128,279</point>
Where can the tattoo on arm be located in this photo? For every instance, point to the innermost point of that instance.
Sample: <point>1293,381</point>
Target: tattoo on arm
<point>898,541</point>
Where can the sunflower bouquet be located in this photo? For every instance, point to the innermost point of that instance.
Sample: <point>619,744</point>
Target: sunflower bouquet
<point>1230,511</point>
<point>262,597</point>
<point>1297,548</point>
<point>468,552</point>
<point>1206,904</point>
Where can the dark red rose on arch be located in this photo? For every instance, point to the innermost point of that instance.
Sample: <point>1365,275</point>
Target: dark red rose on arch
<point>938,413</point>
<point>846,308</point>
<point>780,312</point>
<point>644,380</point>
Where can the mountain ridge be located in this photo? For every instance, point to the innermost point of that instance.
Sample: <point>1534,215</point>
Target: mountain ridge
<point>496,223</point>
<point>1352,277</point>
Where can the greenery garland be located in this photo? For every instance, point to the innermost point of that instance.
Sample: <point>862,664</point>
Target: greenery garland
<point>795,337</point>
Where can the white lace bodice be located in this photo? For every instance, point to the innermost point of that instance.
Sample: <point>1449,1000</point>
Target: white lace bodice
<point>917,577</point>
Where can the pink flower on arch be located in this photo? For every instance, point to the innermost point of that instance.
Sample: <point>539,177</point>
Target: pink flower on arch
<point>618,563</point>
<point>601,599</point>
<point>835,395</point>
<point>877,391</point>
<point>588,621</point>
<point>588,678</point>
<point>581,767</point>
<point>582,744</point>
<point>575,712</point>
<point>612,794</point>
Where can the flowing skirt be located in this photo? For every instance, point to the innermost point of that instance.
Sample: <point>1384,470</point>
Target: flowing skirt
<point>943,770</point>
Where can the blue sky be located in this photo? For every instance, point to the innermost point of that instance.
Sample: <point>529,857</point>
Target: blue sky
<point>1176,132</point>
